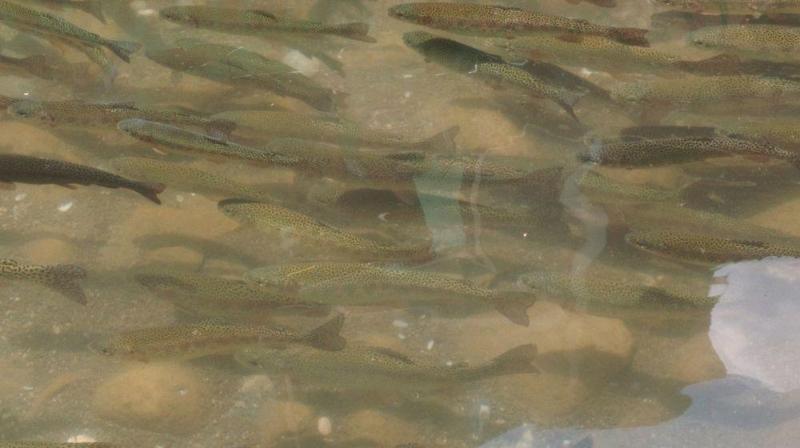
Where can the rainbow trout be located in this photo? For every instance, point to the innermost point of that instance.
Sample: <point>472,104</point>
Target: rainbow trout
<point>184,178</point>
<point>368,368</point>
<point>770,42</point>
<point>612,291</point>
<point>331,129</point>
<point>258,22</point>
<point>664,151</point>
<point>31,20</point>
<point>355,284</point>
<point>172,137</point>
<point>733,6</point>
<point>704,248</point>
<point>62,278</point>
<point>198,340</point>
<point>595,52</point>
<point>698,92</point>
<point>499,21</point>
<point>93,7</point>
<point>106,115</point>
<point>273,218</point>
<point>33,170</point>
<point>239,67</point>
<point>233,299</point>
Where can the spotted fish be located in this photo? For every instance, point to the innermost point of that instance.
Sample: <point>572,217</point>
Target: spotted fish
<point>356,283</point>
<point>500,21</point>
<point>274,218</point>
<point>39,22</point>
<point>198,340</point>
<point>706,248</point>
<point>370,368</point>
<point>62,278</point>
<point>257,22</point>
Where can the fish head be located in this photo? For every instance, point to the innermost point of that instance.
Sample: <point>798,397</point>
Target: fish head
<point>415,39</point>
<point>30,109</point>
<point>236,208</point>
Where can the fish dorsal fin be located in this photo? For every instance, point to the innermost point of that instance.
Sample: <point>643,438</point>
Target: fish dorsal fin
<point>261,13</point>
<point>389,353</point>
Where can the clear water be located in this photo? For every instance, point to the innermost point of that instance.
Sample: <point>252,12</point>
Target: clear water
<point>611,373</point>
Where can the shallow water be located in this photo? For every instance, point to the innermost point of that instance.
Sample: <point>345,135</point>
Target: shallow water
<point>634,347</point>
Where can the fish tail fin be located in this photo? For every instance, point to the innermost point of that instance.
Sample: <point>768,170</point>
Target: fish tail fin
<point>443,141</point>
<point>514,306</point>
<point>326,336</point>
<point>517,360</point>
<point>124,49</point>
<point>630,36</point>
<point>65,279</point>
<point>355,31</point>
<point>93,7</point>
<point>567,102</point>
<point>151,191</point>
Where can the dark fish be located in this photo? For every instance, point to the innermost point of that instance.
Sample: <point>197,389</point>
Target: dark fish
<point>62,278</point>
<point>500,21</point>
<point>33,170</point>
<point>49,25</point>
<point>256,21</point>
<point>239,67</point>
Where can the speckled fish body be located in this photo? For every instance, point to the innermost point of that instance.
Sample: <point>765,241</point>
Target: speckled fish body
<point>771,42</point>
<point>331,129</point>
<point>500,21</point>
<point>366,367</point>
<point>173,137</point>
<point>39,22</point>
<point>733,6</point>
<point>219,297</point>
<point>240,67</point>
<point>184,178</point>
<point>274,218</point>
<point>356,283</point>
<point>664,151</point>
<point>33,170</point>
<point>204,339</point>
<point>82,114</point>
<point>63,278</point>
<point>255,21</point>
<point>705,248</point>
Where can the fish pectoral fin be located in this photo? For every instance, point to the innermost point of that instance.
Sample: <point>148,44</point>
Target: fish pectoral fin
<point>393,354</point>
<point>8,186</point>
